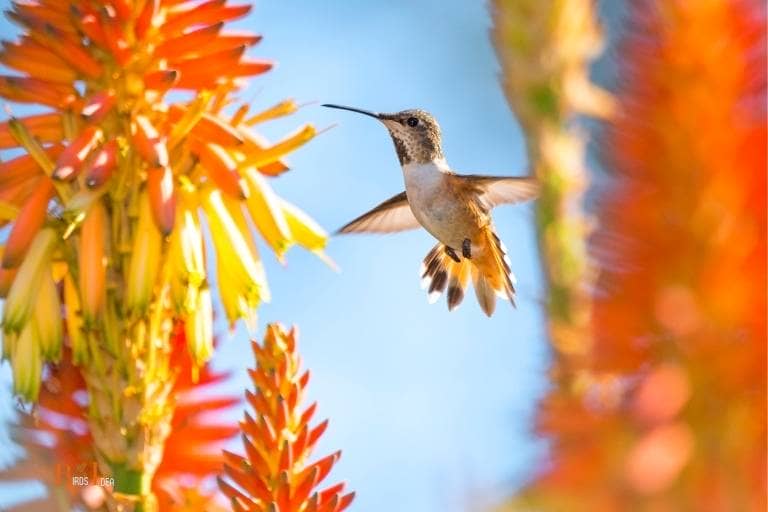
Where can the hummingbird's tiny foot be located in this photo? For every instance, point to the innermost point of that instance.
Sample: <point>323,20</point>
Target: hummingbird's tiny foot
<point>466,248</point>
<point>450,252</point>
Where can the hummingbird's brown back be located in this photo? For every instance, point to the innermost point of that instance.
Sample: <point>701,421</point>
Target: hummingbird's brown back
<point>416,135</point>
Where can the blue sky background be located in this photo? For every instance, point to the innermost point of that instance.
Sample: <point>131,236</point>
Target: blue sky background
<point>432,410</point>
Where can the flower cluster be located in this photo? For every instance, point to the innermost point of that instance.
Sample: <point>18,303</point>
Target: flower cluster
<point>134,160</point>
<point>60,450</point>
<point>275,475</point>
<point>115,173</point>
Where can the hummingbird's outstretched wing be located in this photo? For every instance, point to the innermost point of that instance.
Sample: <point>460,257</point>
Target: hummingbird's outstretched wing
<point>496,190</point>
<point>392,215</point>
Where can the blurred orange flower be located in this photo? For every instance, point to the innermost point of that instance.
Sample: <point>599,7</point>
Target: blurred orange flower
<point>669,412</point>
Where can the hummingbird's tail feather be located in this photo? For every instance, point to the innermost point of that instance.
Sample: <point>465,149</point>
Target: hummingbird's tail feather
<point>491,274</point>
<point>488,267</point>
<point>439,271</point>
<point>486,297</point>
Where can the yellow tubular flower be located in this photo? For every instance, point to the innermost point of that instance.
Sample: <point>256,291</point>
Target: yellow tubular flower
<point>177,283</point>
<point>47,306</point>
<point>264,207</point>
<point>281,109</point>
<point>27,364</point>
<point>186,254</point>
<point>306,231</point>
<point>247,273</point>
<point>74,322</point>
<point>8,343</point>
<point>236,211</point>
<point>21,296</point>
<point>293,141</point>
<point>227,294</point>
<point>191,246</point>
<point>145,259</point>
<point>199,329</point>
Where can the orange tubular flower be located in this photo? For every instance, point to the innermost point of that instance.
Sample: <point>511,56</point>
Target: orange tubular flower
<point>274,475</point>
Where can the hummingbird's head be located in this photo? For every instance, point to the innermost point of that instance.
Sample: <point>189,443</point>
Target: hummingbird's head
<point>415,133</point>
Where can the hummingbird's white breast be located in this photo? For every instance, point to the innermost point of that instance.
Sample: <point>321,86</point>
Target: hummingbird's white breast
<point>433,201</point>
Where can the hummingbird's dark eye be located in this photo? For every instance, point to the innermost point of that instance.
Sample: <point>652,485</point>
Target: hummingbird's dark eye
<point>412,121</point>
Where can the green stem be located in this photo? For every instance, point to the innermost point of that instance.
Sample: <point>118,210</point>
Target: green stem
<point>133,485</point>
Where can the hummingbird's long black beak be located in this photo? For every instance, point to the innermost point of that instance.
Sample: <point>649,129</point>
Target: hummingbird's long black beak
<point>352,109</point>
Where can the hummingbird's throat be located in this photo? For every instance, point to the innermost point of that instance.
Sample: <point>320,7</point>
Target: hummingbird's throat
<point>416,148</point>
<point>402,151</point>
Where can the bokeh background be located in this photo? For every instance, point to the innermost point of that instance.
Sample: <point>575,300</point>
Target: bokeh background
<point>644,360</point>
<point>433,411</point>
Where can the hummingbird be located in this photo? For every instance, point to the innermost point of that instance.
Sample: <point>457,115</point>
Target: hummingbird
<point>453,208</point>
